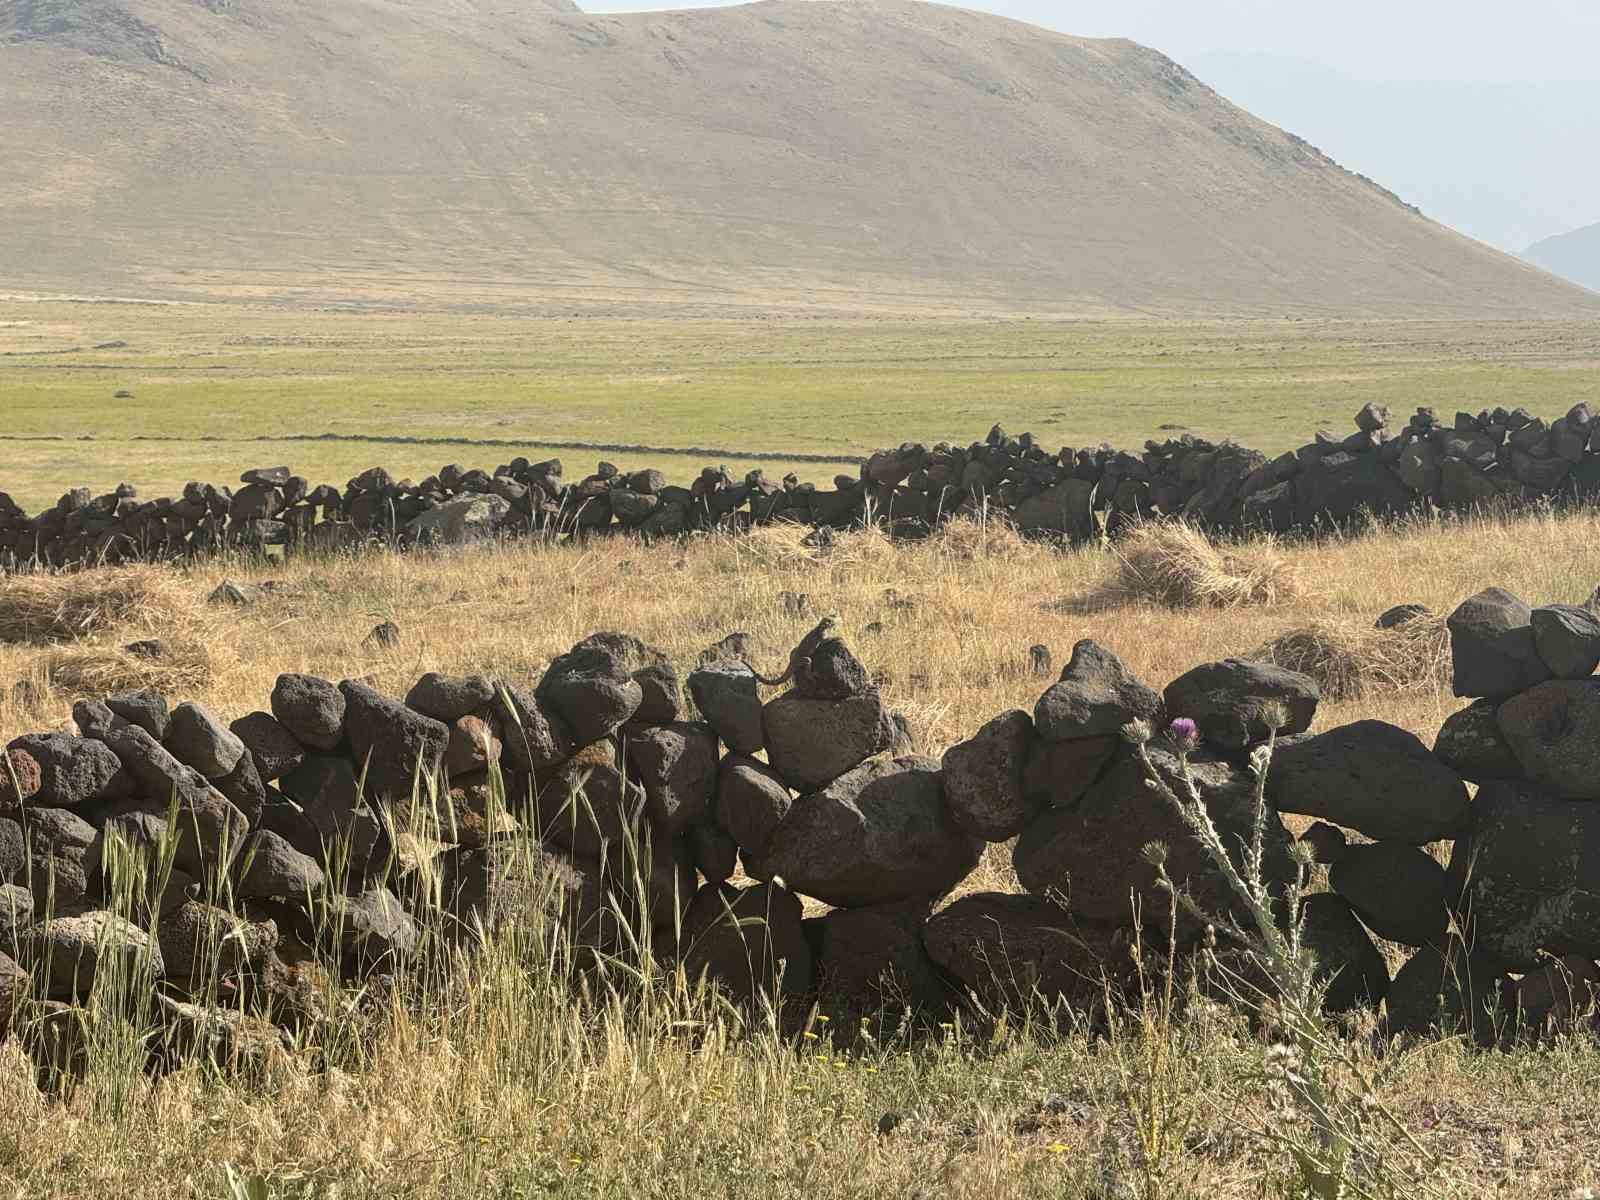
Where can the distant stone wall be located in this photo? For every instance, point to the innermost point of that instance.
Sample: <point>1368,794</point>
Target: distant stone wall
<point>627,808</point>
<point>1494,459</point>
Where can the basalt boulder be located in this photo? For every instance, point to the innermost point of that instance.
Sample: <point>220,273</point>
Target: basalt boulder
<point>1567,638</point>
<point>1231,701</point>
<point>983,779</point>
<point>726,694</point>
<point>1095,696</point>
<point>752,801</point>
<point>1493,652</point>
<point>1400,891</point>
<point>311,709</point>
<point>394,747</point>
<point>877,834</point>
<point>812,742</point>
<point>1553,729</point>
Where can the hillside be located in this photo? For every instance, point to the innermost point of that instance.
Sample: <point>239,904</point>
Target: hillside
<point>1574,256</point>
<point>859,155</point>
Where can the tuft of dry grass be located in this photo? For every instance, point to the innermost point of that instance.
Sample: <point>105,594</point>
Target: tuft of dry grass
<point>1177,565</point>
<point>183,669</point>
<point>1349,659</point>
<point>52,606</point>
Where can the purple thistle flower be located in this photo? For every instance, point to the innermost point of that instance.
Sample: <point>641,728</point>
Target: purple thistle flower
<point>1184,734</point>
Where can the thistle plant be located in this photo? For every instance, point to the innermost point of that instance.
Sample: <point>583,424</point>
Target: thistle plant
<point>1324,1109</point>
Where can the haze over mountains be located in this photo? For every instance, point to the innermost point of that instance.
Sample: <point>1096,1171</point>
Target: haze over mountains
<point>859,155</point>
<point>1575,255</point>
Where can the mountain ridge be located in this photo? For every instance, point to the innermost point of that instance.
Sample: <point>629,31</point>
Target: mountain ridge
<point>867,154</point>
<point>1574,255</point>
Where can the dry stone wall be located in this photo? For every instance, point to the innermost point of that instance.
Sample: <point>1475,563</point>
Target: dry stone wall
<point>629,800</point>
<point>1494,458</point>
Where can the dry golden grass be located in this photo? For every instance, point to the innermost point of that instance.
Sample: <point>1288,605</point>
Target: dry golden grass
<point>1351,658</point>
<point>1174,563</point>
<point>499,1089</point>
<point>48,607</point>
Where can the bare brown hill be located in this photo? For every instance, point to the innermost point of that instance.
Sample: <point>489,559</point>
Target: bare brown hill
<point>861,154</point>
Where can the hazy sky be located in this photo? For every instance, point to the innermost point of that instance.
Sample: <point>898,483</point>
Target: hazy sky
<point>1486,113</point>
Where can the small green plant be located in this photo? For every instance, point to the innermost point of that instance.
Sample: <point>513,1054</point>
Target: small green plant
<point>1324,1109</point>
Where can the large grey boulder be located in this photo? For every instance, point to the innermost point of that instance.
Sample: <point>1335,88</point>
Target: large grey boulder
<point>1492,648</point>
<point>533,737</point>
<point>1470,744</point>
<point>1230,700</point>
<point>1400,891</point>
<point>1015,951</point>
<point>1448,991</point>
<point>459,522</point>
<point>752,802</point>
<point>72,952</point>
<point>1532,873</point>
<point>270,867</point>
<point>198,738</point>
<point>371,929</point>
<point>983,779</point>
<point>1373,777</point>
<point>449,697</point>
<point>72,770</point>
<point>677,765</point>
<point>726,695</point>
<point>1567,638</point>
<point>310,708</point>
<point>872,960</point>
<point>395,749</point>
<point>1092,854</point>
<point>1059,773</point>
<point>1352,968</point>
<point>1553,729</point>
<point>1096,696</point>
<point>590,808</point>
<point>812,742</point>
<point>750,941</point>
<point>877,834</point>
<point>145,708</point>
<point>276,751</point>
<point>592,689</point>
<point>1065,509</point>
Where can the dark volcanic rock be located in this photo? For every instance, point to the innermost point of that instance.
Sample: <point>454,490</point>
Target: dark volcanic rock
<point>1447,991</point>
<point>983,779</point>
<point>1012,951</point>
<point>1373,777</point>
<point>534,738</point>
<point>1568,640</point>
<point>748,940</point>
<point>311,709</point>
<point>591,688</point>
<point>1093,853</point>
<point>1229,701</point>
<point>873,960</point>
<point>1095,696</point>
<point>198,738</point>
<point>1400,891</point>
<point>144,708</point>
<point>878,834</point>
<point>1470,744</point>
<point>677,765</point>
<point>397,747</point>
<point>447,697</point>
<point>72,771</point>
<point>1354,969</point>
<point>1492,648</point>
<point>726,694</point>
<point>1059,773</point>
<point>1554,731</point>
<point>752,802</point>
<point>812,742</point>
<point>275,750</point>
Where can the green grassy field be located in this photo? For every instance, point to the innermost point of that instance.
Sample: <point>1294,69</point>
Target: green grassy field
<point>206,377</point>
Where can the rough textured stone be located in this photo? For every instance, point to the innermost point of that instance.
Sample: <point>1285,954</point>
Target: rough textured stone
<point>1449,991</point>
<point>533,889</point>
<point>1470,744</point>
<point>1014,951</point>
<point>1532,870</point>
<point>677,765</point>
<point>448,697</point>
<point>269,866</point>
<point>72,771</point>
<point>1354,969</point>
<point>1568,640</point>
<point>983,779</point>
<point>311,709</point>
<point>713,850</point>
<point>201,943</point>
<point>726,694</point>
<point>1373,777</point>
<point>1326,842</point>
<point>73,951</point>
<point>830,672</point>
<point>877,834</point>
<point>208,831</point>
<point>1229,700</point>
<point>748,940</point>
<point>474,744</point>
<point>812,742</point>
<point>662,695</point>
<point>1557,994</point>
<point>15,985</point>
<point>873,960</point>
<point>591,688</point>
<point>1492,649</point>
<point>1554,731</point>
<point>1093,853</point>
<point>535,739</point>
<point>589,808</point>
<point>395,747</point>
<point>752,801</point>
<point>325,788</point>
<point>372,928</point>
<point>275,750</point>
<point>16,911</point>
<point>94,719</point>
<point>1400,891</point>
<point>20,778</point>
<point>244,787</point>
<point>1095,696</point>
<point>237,1044</point>
<point>198,738</point>
<point>1059,773</point>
